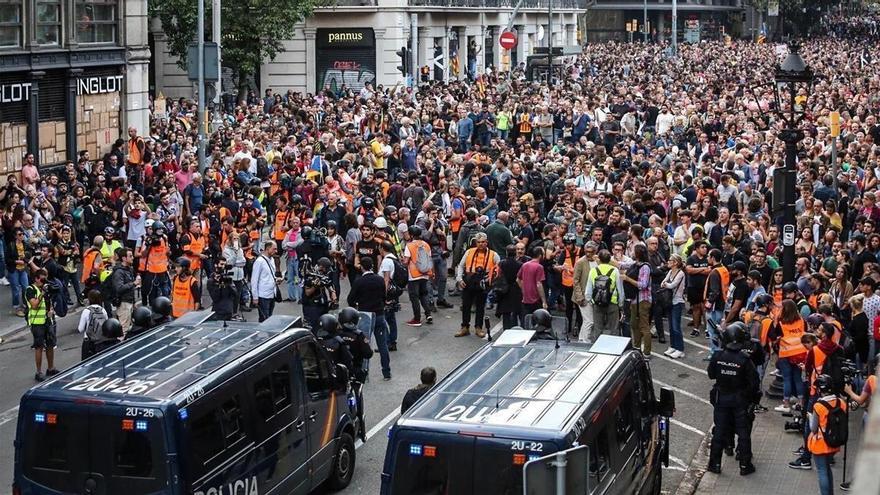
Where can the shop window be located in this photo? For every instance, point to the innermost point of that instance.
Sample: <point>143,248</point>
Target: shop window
<point>96,21</point>
<point>10,23</point>
<point>48,18</point>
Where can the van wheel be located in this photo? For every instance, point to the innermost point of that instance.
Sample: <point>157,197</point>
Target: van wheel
<point>343,463</point>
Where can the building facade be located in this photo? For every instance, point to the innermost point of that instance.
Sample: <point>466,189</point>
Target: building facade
<point>697,20</point>
<point>73,76</point>
<point>356,41</point>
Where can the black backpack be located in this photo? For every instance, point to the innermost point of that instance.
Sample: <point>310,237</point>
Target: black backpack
<point>629,290</point>
<point>399,278</point>
<point>836,431</point>
<point>262,168</point>
<point>603,288</point>
<point>536,184</point>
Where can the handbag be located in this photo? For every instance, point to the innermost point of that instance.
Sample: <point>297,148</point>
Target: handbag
<point>663,297</point>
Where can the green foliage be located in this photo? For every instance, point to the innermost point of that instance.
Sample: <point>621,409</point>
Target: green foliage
<point>252,30</point>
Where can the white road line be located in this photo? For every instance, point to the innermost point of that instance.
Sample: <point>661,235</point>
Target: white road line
<point>678,461</point>
<point>679,363</point>
<point>697,344</point>
<point>7,416</point>
<point>683,392</point>
<point>687,427</point>
<point>674,468</point>
<point>381,424</point>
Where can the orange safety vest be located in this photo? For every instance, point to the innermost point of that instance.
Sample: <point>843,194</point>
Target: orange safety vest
<point>254,236</point>
<point>206,227</point>
<point>766,325</point>
<point>568,267</point>
<point>156,259</point>
<point>89,258</point>
<point>777,298</point>
<point>473,261</point>
<point>457,218</point>
<point>412,250</point>
<point>280,224</point>
<point>134,154</point>
<point>725,282</point>
<point>790,343</point>
<point>196,247</point>
<point>819,358</point>
<point>816,441</point>
<point>182,300</point>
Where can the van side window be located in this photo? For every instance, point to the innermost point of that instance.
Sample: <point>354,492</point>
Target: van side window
<point>624,419</point>
<point>599,457</point>
<point>133,455</point>
<point>215,430</point>
<point>272,392</point>
<point>315,371</point>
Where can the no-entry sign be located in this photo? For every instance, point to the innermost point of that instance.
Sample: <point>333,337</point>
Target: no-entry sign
<point>507,40</point>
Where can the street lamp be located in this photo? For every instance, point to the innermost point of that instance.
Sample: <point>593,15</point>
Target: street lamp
<point>792,82</point>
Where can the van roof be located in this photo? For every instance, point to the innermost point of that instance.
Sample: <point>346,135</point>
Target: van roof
<point>176,361</point>
<point>530,386</point>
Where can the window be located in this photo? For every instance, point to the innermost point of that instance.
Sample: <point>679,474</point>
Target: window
<point>272,392</point>
<point>96,21</point>
<point>623,420</point>
<point>133,455</point>
<point>599,456</point>
<point>10,23</point>
<point>314,369</point>
<point>48,22</point>
<point>216,430</point>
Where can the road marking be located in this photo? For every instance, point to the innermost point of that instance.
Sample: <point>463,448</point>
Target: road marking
<point>674,468</point>
<point>687,427</point>
<point>697,344</point>
<point>678,461</point>
<point>381,424</point>
<point>8,416</point>
<point>683,365</point>
<point>683,392</point>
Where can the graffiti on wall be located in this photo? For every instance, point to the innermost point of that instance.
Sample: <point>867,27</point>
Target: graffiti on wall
<point>348,72</point>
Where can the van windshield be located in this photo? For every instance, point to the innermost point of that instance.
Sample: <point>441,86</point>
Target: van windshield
<point>63,450</point>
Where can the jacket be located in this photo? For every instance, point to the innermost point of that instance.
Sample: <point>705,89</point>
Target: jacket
<point>122,281</point>
<point>368,293</point>
<point>581,275</point>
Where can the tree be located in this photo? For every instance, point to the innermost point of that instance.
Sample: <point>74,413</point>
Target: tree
<point>252,30</point>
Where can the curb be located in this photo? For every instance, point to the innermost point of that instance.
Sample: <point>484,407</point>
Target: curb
<point>693,477</point>
<point>14,329</point>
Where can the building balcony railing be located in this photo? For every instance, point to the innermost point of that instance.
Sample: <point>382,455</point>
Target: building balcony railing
<point>501,4</point>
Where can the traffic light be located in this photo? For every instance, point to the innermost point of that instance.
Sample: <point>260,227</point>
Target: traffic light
<point>404,55</point>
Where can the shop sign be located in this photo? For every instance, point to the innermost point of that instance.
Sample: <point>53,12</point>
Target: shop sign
<point>11,93</point>
<point>18,92</point>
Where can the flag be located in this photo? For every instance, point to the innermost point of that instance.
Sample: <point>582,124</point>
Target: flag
<point>762,34</point>
<point>453,62</point>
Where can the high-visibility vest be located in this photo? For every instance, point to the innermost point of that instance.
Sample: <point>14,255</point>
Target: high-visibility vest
<point>155,260</point>
<point>134,153</point>
<point>88,267</point>
<point>254,236</point>
<point>182,300</point>
<point>777,298</point>
<point>766,325</point>
<point>196,247</point>
<point>476,258</point>
<point>568,267</point>
<point>816,441</point>
<point>608,271</point>
<point>280,224</point>
<point>790,343</point>
<point>108,250</point>
<point>206,227</point>
<point>412,251</point>
<point>819,358</point>
<point>457,218</point>
<point>725,282</point>
<point>38,315</point>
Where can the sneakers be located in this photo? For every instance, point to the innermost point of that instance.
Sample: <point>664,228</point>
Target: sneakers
<point>782,408</point>
<point>465,331</point>
<point>696,333</point>
<point>4,281</point>
<point>429,320</point>
<point>444,305</point>
<point>746,469</point>
<point>760,409</point>
<point>714,468</point>
<point>19,312</point>
<point>39,376</point>
<point>414,323</point>
<point>480,333</point>
<point>676,354</point>
<point>845,486</point>
<point>669,352</point>
<point>799,451</point>
<point>801,463</point>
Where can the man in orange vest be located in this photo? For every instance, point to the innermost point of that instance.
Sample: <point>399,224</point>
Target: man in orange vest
<point>137,155</point>
<point>417,258</point>
<point>565,262</point>
<point>823,441</point>
<point>194,245</point>
<point>92,265</point>
<point>154,254</point>
<point>474,275</point>
<point>185,291</point>
<point>715,297</point>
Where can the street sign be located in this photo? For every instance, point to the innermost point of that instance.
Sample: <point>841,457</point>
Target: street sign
<point>507,40</point>
<point>835,124</point>
<point>211,61</point>
<point>788,235</point>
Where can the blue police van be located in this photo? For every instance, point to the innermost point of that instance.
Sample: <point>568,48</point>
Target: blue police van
<point>192,407</point>
<point>521,399</point>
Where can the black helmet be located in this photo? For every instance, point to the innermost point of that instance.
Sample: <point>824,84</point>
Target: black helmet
<point>331,224</point>
<point>184,262</point>
<point>325,262</point>
<point>389,210</point>
<point>296,199</point>
<point>789,287</point>
<point>569,239</point>
<point>306,232</point>
<point>824,383</point>
<point>328,323</point>
<point>111,329</point>
<point>415,231</point>
<point>735,335</point>
<point>158,226</point>
<point>142,316</point>
<point>368,202</point>
<point>542,318</point>
<point>217,198</point>
<point>763,300</point>
<point>162,306</point>
<point>349,318</point>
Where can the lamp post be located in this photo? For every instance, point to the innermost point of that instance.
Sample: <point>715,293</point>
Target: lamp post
<point>792,80</point>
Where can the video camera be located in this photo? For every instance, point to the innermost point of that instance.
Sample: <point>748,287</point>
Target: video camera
<point>849,370</point>
<point>224,277</point>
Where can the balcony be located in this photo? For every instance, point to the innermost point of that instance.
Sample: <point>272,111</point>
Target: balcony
<point>501,4</point>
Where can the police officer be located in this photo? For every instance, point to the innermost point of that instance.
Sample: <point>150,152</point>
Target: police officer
<point>312,248</point>
<point>542,323</point>
<point>754,351</point>
<point>161,310</point>
<point>142,321</point>
<point>222,291</point>
<point>736,390</point>
<point>359,346</point>
<point>332,341</point>
<point>318,293</point>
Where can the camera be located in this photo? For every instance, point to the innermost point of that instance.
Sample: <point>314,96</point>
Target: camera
<point>152,240</point>
<point>224,277</point>
<point>849,370</point>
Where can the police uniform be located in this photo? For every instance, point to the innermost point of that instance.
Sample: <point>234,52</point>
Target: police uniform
<point>359,347</point>
<point>318,303</point>
<point>337,349</point>
<point>736,388</point>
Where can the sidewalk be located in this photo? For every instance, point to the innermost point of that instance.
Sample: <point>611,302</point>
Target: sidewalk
<point>771,449</point>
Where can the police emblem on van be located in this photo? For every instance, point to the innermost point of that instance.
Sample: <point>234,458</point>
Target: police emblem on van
<point>237,487</point>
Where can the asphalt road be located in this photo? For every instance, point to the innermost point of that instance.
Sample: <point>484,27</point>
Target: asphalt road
<point>429,345</point>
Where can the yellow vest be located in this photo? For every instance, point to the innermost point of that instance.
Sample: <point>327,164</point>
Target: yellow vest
<point>37,316</point>
<point>610,272</point>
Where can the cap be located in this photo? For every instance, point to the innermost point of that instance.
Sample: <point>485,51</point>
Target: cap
<point>739,266</point>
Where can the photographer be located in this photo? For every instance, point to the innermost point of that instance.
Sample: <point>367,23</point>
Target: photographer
<point>318,293</point>
<point>222,290</point>
<point>236,261</point>
<point>312,248</point>
<point>124,283</point>
<point>154,254</point>
<point>40,318</point>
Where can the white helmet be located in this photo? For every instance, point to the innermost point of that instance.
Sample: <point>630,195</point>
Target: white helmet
<point>380,223</point>
<point>148,223</point>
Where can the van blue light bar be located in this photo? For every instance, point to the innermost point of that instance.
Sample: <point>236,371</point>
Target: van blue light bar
<point>415,449</point>
<point>39,417</point>
<point>140,425</point>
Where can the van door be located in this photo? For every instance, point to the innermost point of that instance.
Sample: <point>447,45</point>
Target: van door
<point>627,453</point>
<point>282,452</point>
<point>505,458</point>
<point>319,409</point>
<point>429,463</point>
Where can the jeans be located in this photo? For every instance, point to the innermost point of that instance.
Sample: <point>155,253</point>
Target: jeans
<point>792,382</point>
<point>418,296</point>
<point>374,324</point>
<point>438,285</point>
<point>391,320</point>
<point>464,144</point>
<point>676,339</point>
<point>713,320</point>
<point>18,282</point>
<point>826,477</point>
<point>265,307</point>
<point>503,133</point>
<point>153,286</point>
<point>473,297</point>
<point>294,291</point>
<point>68,279</point>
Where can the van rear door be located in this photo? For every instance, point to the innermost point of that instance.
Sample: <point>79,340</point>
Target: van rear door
<point>504,458</point>
<point>87,447</point>
<point>428,463</point>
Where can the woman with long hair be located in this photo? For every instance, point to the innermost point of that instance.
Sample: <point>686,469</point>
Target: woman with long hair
<point>841,291</point>
<point>675,282</point>
<point>792,353</point>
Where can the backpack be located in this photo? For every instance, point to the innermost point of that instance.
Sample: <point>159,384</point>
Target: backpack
<point>97,317</point>
<point>423,258</point>
<point>836,431</point>
<point>500,284</point>
<point>536,184</point>
<point>399,278</point>
<point>603,288</point>
<point>262,168</point>
<point>629,290</point>
<point>472,232</point>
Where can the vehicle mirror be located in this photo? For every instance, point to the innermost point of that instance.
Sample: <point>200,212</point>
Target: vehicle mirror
<point>666,404</point>
<point>341,376</point>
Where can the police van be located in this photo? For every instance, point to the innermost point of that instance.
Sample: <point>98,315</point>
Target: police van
<point>520,399</point>
<point>192,407</point>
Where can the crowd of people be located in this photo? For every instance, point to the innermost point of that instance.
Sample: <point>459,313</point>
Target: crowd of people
<point>634,188</point>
